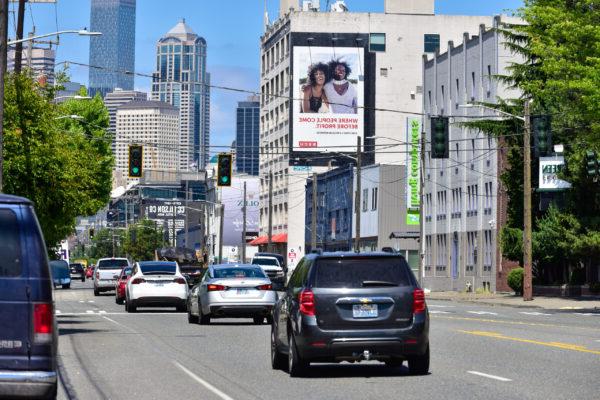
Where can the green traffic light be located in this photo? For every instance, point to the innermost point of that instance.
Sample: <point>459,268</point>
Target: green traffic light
<point>135,170</point>
<point>224,179</point>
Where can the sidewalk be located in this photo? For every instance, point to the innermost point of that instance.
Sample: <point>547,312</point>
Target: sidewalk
<point>579,304</point>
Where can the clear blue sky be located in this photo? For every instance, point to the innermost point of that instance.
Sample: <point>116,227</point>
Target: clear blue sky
<point>231,27</point>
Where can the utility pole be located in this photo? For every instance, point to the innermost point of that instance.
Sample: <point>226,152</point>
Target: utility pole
<point>313,220</point>
<point>527,247</point>
<point>222,224</point>
<point>270,231</point>
<point>358,197</point>
<point>207,225</point>
<point>187,210</point>
<point>421,213</point>
<point>174,231</point>
<point>243,260</point>
<point>3,55</point>
<point>19,46</point>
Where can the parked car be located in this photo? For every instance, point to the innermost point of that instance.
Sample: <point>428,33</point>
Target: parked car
<point>351,307</point>
<point>77,271</point>
<point>61,275</point>
<point>272,268</point>
<point>279,257</point>
<point>156,284</point>
<point>121,282</point>
<point>28,365</point>
<point>232,291</point>
<point>106,269</point>
<point>89,272</point>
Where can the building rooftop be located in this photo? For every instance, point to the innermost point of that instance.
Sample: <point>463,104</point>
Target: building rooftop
<point>181,30</point>
<point>139,104</point>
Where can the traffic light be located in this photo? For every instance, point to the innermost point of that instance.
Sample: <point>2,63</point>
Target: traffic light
<point>224,167</point>
<point>440,135</point>
<point>593,164</point>
<point>542,135</point>
<point>136,158</point>
<point>91,233</point>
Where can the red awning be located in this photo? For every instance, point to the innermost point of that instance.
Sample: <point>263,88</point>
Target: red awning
<point>278,238</point>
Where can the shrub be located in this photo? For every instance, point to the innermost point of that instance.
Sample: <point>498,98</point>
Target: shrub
<point>515,280</point>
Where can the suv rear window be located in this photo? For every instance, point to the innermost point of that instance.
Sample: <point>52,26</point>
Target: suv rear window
<point>358,272</point>
<point>265,261</point>
<point>10,246</point>
<point>112,264</point>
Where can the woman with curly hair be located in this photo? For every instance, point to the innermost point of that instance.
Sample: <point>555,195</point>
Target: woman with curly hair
<point>313,95</point>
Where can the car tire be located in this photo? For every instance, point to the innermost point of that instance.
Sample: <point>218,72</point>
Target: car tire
<point>269,319</point>
<point>66,286</point>
<point>96,292</point>
<point>192,319</point>
<point>181,308</point>
<point>204,319</point>
<point>278,360</point>
<point>83,279</point>
<point>296,365</point>
<point>394,363</point>
<point>131,308</point>
<point>119,300</point>
<point>419,365</point>
<point>258,320</point>
<point>52,393</point>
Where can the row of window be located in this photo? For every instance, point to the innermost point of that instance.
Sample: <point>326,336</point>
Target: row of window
<point>470,256</point>
<point>472,205</point>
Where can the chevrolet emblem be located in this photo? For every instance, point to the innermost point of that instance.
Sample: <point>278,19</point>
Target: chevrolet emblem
<point>365,300</point>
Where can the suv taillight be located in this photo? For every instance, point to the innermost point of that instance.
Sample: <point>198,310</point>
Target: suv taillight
<point>307,302</point>
<point>418,301</point>
<point>43,322</point>
<point>138,280</point>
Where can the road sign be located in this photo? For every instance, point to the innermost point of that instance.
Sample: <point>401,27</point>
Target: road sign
<point>292,254</point>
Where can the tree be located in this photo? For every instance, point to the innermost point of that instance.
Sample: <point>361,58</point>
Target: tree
<point>62,167</point>
<point>143,239</point>
<point>106,243</point>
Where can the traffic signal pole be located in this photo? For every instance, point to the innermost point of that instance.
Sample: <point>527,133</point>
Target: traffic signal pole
<point>3,55</point>
<point>527,245</point>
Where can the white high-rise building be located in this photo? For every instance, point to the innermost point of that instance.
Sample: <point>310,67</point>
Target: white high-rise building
<point>114,100</point>
<point>40,61</point>
<point>153,124</point>
<point>181,80</point>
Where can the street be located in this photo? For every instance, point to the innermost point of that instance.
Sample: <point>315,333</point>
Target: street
<point>478,352</point>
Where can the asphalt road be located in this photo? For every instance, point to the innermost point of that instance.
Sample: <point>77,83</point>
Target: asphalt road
<point>478,352</point>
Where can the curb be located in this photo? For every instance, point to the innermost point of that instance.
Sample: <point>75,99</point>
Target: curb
<point>478,301</point>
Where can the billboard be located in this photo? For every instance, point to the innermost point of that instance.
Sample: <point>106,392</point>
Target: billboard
<point>550,168</point>
<point>233,199</point>
<point>171,214</point>
<point>413,170</point>
<point>329,93</point>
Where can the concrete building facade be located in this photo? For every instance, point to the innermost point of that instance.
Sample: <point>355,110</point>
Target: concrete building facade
<point>113,100</point>
<point>464,203</point>
<point>181,80</point>
<point>38,59</point>
<point>247,136</point>
<point>153,124</point>
<point>397,40</point>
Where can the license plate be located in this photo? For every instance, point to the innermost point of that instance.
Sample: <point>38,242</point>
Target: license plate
<point>242,291</point>
<point>364,311</point>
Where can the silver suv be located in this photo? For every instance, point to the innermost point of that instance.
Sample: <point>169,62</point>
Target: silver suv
<point>106,270</point>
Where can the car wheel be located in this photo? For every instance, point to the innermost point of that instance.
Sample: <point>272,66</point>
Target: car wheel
<point>52,393</point>
<point>83,279</point>
<point>131,308</point>
<point>181,308</point>
<point>394,362</point>
<point>277,359</point>
<point>96,292</point>
<point>204,319</point>
<point>66,286</point>
<point>269,319</point>
<point>192,319</point>
<point>296,366</point>
<point>258,320</point>
<point>419,365</point>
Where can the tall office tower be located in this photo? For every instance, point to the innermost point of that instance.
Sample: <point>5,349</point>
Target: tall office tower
<point>40,60</point>
<point>114,50</point>
<point>153,124</point>
<point>115,99</point>
<point>247,135</point>
<point>181,80</point>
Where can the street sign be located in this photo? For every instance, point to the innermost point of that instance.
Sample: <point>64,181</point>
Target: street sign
<point>292,254</point>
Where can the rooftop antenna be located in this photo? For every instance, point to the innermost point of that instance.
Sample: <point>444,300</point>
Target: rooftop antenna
<point>266,17</point>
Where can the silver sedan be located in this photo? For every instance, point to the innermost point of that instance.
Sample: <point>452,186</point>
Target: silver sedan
<point>232,291</point>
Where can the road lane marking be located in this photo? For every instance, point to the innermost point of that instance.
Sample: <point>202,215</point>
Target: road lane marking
<point>482,312</point>
<point>509,322</point>
<point>571,308</point>
<point>81,301</point>
<point>533,313</point>
<point>89,311</point>
<point>588,314</point>
<point>101,312</point>
<point>498,378</point>
<point>564,346</point>
<point>438,312</point>
<point>57,312</point>
<point>202,382</point>
<point>90,301</point>
<point>439,305</point>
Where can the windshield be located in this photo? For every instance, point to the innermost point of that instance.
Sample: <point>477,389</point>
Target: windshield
<point>361,272</point>
<point>59,268</point>
<point>265,261</point>
<point>162,268</point>
<point>239,273</point>
<point>113,264</point>
<point>126,272</point>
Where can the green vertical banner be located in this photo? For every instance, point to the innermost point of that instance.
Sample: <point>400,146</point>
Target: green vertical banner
<point>413,170</point>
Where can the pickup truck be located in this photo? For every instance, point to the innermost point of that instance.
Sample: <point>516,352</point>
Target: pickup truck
<point>106,270</point>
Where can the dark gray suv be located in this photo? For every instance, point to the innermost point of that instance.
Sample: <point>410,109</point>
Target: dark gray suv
<point>351,307</point>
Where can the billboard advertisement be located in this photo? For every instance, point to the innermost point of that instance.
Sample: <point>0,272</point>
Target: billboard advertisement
<point>329,92</point>
<point>413,170</point>
<point>233,199</point>
<point>550,168</point>
<point>171,214</point>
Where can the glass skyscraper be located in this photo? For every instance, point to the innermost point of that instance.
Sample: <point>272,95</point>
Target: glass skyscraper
<point>181,80</point>
<point>247,135</point>
<point>114,50</point>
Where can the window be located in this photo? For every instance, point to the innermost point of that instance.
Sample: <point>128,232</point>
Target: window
<point>354,272</point>
<point>488,199</point>
<point>377,42</point>
<point>471,251</point>
<point>365,200</point>
<point>383,72</point>
<point>432,43</point>
<point>10,247</point>
<point>374,199</point>
<point>487,251</point>
<point>472,85</point>
<point>441,253</point>
<point>428,253</point>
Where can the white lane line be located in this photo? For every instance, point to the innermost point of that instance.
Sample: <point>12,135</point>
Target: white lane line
<point>57,312</point>
<point>89,311</point>
<point>101,312</point>
<point>81,301</point>
<point>588,314</point>
<point>498,378</point>
<point>90,301</point>
<point>482,312</point>
<point>438,312</point>
<point>439,306</point>
<point>533,313</point>
<point>202,382</point>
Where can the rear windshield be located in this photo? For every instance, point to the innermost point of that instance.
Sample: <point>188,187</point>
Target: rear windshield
<point>265,261</point>
<point>59,268</point>
<point>360,272</point>
<point>239,273</point>
<point>10,248</point>
<point>158,268</point>
<point>112,264</point>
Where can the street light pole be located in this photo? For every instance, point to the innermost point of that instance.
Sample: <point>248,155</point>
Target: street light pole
<point>3,55</point>
<point>358,194</point>
<point>527,245</point>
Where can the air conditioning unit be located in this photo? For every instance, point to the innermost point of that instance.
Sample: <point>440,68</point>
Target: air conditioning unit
<point>339,6</point>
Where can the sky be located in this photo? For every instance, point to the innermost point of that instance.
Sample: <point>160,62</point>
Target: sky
<point>232,29</point>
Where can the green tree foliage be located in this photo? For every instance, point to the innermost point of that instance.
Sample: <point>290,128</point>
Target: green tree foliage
<point>143,239</point>
<point>64,168</point>
<point>515,280</point>
<point>104,241</point>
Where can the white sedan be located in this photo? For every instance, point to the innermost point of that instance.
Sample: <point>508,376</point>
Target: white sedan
<point>156,284</point>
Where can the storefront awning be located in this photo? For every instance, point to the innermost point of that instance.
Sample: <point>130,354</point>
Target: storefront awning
<point>278,238</point>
